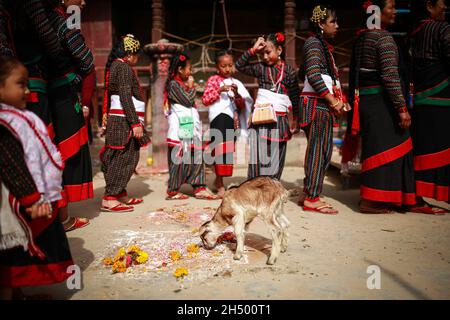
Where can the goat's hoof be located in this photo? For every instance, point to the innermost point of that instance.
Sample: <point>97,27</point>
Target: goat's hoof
<point>271,261</point>
<point>237,256</point>
<point>283,250</point>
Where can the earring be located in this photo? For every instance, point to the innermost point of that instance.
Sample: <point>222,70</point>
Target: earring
<point>321,31</point>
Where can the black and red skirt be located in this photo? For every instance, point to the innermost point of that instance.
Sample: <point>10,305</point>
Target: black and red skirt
<point>430,130</point>
<point>71,137</point>
<point>387,159</point>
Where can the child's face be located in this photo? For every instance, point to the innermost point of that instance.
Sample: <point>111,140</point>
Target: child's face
<point>185,72</point>
<point>14,90</point>
<point>225,66</point>
<point>271,53</point>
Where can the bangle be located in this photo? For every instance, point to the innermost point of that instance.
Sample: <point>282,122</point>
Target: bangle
<point>337,102</point>
<point>402,110</point>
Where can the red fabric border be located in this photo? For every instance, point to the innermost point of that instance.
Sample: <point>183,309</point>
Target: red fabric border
<point>431,190</point>
<point>387,156</point>
<point>34,275</point>
<point>75,193</point>
<point>432,160</point>
<point>30,199</point>
<point>224,170</point>
<point>396,197</point>
<point>72,145</point>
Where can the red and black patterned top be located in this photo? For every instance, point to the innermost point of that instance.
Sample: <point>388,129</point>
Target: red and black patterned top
<point>180,93</point>
<point>379,53</point>
<point>316,64</point>
<point>14,173</point>
<point>266,76</point>
<point>124,83</point>
<point>432,41</point>
<point>78,55</point>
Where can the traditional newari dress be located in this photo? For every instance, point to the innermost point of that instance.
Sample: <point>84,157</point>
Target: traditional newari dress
<point>64,86</point>
<point>316,119</point>
<point>222,107</point>
<point>278,85</point>
<point>35,42</point>
<point>32,252</point>
<point>430,127</point>
<point>185,149</point>
<point>387,168</point>
<point>120,155</point>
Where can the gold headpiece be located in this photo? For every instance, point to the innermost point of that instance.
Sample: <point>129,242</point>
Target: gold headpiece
<point>131,44</point>
<point>318,14</point>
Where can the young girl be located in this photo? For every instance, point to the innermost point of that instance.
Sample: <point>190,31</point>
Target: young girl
<point>184,136</point>
<point>321,98</point>
<point>125,134</point>
<point>33,246</point>
<point>278,86</point>
<point>229,106</point>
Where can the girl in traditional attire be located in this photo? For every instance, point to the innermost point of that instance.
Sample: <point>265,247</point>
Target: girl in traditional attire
<point>430,128</point>
<point>278,89</point>
<point>381,116</point>
<point>64,86</point>
<point>320,100</point>
<point>33,246</point>
<point>184,137</point>
<point>229,105</point>
<point>124,110</point>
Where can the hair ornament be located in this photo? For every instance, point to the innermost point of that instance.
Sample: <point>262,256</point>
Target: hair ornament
<point>318,14</point>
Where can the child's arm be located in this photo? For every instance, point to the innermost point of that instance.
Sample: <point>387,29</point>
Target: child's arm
<point>181,95</point>
<point>294,93</point>
<point>243,62</point>
<point>125,77</point>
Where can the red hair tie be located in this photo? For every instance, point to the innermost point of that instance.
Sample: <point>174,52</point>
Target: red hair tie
<point>280,37</point>
<point>182,58</point>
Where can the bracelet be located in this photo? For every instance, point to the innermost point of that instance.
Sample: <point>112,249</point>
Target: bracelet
<point>334,105</point>
<point>402,110</point>
<point>85,108</point>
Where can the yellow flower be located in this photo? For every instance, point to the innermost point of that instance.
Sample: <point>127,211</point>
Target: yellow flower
<point>133,249</point>
<point>193,248</point>
<point>180,272</point>
<point>175,255</point>
<point>108,261</point>
<point>142,257</point>
<point>120,255</point>
<point>119,267</point>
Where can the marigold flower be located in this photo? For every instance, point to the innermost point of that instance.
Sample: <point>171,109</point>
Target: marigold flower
<point>142,257</point>
<point>120,255</point>
<point>119,267</point>
<point>175,255</point>
<point>180,272</point>
<point>193,248</point>
<point>133,249</point>
<point>108,261</point>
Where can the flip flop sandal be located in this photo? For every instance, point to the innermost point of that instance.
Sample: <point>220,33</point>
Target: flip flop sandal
<point>117,208</point>
<point>134,201</point>
<point>321,209</point>
<point>429,210</point>
<point>207,197</point>
<point>178,196</point>
<point>77,224</point>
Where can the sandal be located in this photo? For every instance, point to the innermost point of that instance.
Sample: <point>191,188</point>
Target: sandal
<point>177,196</point>
<point>77,224</point>
<point>426,209</point>
<point>206,195</point>
<point>117,208</point>
<point>134,201</point>
<point>322,209</point>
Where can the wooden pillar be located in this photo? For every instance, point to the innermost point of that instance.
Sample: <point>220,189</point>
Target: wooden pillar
<point>289,30</point>
<point>158,20</point>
